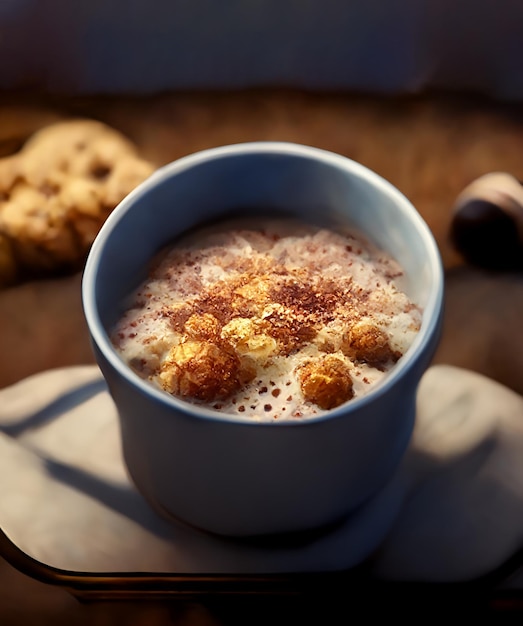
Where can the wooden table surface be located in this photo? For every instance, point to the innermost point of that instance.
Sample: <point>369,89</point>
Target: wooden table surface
<point>430,147</point>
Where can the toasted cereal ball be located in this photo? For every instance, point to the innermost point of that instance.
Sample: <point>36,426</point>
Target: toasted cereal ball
<point>247,338</point>
<point>326,382</point>
<point>202,326</point>
<point>367,343</point>
<point>201,370</point>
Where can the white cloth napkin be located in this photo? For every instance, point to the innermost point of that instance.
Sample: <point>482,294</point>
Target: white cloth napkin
<point>453,511</point>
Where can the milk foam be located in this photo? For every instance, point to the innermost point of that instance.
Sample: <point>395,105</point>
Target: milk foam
<point>244,278</point>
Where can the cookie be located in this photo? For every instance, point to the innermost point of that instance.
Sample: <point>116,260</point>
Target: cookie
<point>57,191</point>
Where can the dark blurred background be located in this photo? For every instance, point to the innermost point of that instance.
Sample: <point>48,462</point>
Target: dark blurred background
<point>378,46</point>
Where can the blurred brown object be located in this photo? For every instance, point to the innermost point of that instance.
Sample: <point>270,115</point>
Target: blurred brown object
<point>56,192</point>
<point>487,222</point>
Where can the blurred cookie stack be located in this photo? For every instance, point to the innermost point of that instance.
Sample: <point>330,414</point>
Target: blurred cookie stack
<point>56,192</point>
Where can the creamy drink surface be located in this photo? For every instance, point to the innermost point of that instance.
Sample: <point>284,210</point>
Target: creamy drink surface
<point>268,320</point>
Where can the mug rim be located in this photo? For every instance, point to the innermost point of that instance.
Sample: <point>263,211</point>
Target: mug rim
<point>431,312</point>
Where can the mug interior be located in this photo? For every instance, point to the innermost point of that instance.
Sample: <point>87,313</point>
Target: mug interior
<point>262,179</point>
